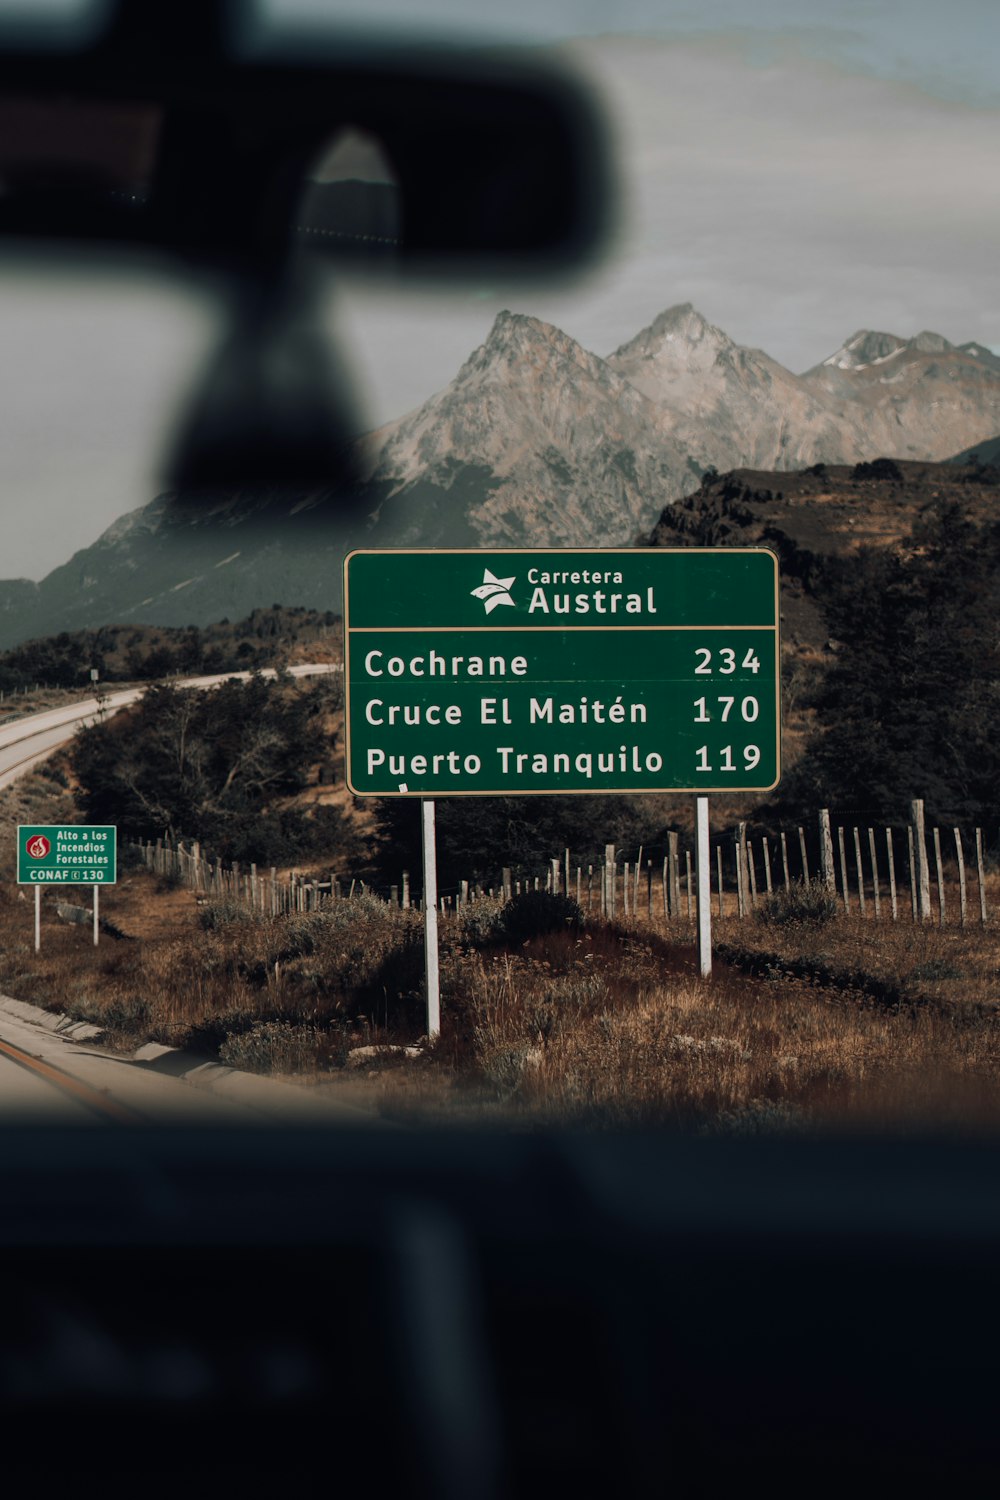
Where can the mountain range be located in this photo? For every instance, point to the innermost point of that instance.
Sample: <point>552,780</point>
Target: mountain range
<point>538,442</point>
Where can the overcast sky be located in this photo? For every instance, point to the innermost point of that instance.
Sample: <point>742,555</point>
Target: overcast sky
<point>792,202</point>
<point>796,180</point>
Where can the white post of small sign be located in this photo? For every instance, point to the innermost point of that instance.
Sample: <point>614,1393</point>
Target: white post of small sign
<point>703,865</point>
<point>431,968</point>
<point>38,917</point>
<point>96,918</point>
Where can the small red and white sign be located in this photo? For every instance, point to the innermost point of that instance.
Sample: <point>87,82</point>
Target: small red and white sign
<point>38,847</point>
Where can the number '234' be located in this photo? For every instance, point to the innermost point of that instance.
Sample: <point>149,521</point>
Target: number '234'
<point>727,661</point>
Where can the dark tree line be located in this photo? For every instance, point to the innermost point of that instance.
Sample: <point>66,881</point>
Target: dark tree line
<point>910,706</point>
<point>477,836</point>
<point>212,766</point>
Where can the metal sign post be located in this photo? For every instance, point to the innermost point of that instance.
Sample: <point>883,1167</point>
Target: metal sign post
<point>703,881</point>
<point>76,854</point>
<point>431,957</point>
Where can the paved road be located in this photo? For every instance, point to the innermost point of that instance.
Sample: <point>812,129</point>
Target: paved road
<point>65,1078</point>
<point>27,741</point>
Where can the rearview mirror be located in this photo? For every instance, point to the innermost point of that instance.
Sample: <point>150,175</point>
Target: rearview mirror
<point>170,126</point>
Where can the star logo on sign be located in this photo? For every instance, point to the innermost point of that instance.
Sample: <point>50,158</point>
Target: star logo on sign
<point>493,591</point>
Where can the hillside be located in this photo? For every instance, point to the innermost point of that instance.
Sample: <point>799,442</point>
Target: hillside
<point>817,521</point>
<point>819,514</point>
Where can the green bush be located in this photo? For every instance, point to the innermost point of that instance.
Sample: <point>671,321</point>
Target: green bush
<point>221,913</point>
<point>482,923</point>
<point>273,1047</point>
<point>937,968</point>
<point>502,1067</point>
<point>357,944</point>
<point>535,913</point>
<point>801,905</point>
<point>126,1019</point>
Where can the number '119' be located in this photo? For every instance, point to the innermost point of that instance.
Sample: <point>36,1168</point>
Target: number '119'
<point>751,757</point>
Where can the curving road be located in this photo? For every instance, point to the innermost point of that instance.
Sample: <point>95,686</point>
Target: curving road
<point>27,741</point>
<point>56,1073</point>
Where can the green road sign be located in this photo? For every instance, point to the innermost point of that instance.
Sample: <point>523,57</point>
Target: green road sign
<point>487,673</point>
<point>74,854</point>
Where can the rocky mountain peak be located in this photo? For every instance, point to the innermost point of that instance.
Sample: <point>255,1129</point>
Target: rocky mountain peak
<point>675,334</point>
<point>930,343</point>
<point>866,347</point>
<point>518,332</point>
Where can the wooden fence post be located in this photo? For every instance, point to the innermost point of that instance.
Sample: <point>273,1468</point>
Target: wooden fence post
<point>913,870</point>
<point>609,878</point>
<point>826,851</point>
<point>861,872</point>
<point>743,864</point>
<point>923,874</point>
<point>892,873</point>
<point>767,865</point>
<point>718,866</point>
<point>690,893</point>
<point>940,871</point>
<point>748,855</point>
<point>875,889</point>
<point>843,870</point>
<point>960,854</point>
<point>784,859</point>
<point>741,904</point>
<point>675,884</point>
<point>802,851</point>
<point>981,873</point>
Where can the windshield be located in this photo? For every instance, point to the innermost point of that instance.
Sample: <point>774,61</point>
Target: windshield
<point>789,346</point>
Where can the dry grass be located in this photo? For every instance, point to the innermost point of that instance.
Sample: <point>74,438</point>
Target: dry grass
<point>616,1029</point>
<point>911,961</point>
<point>173,979</point>
<point>843,1021</point>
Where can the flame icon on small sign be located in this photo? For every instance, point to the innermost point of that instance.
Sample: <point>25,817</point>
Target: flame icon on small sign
<point>38,847</point>
<point>493,591</point>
